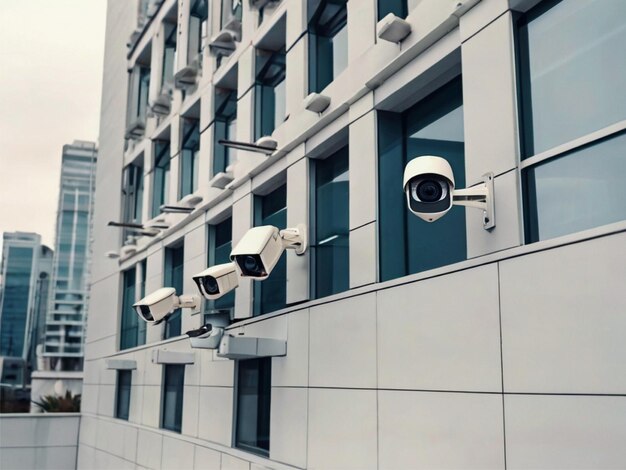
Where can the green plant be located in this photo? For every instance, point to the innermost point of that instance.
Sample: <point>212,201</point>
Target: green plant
<point>60,404</point>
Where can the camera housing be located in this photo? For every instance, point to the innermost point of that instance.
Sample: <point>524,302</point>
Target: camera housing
<point>429,184</point>
<point>159,305</point>
<point>430,192</point>
<point>259,250</point>
<point>206,337</point>
<point>217,280</point>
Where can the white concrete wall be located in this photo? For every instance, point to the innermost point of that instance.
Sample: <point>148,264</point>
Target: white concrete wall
<point>42,441</point>
<point>512,358</point>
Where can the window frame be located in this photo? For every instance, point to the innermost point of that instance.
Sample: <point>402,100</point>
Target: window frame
<point>119,389</point>
<point>180,395</point>
<point>216,306</point>
<point>313,223</point>
<point>317,79</point>
<point>258,307</point>
<point>173,324</point>
<point>188,183</point>
<point>529,158</point>
<point>264,363</point>
<point>162,170</point>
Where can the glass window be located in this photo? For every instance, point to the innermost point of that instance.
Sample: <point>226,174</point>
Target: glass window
<point>189,157</point>
<point>169,52</point>
<point>174,266</point>
<point>132,193</point>
<point>400,8</point>
<point>254,389</point>
<point>572,75</point>
<point>573,70</point>
<point>434,126</point>
<point>328,42</point>
<point>225,128</point>
<point>133,331</point>
<point>122,394</point>
<point>231,11</point>
<point>198,24</point>
<point>269,95</point>
<point>220,246</point>
<point>18,266</point>
<point>579,190</point>
<point>330,254</point>
<point>173,387</point>
<point>138,86</point>
<point>271,294</point>
<point>161,175</point>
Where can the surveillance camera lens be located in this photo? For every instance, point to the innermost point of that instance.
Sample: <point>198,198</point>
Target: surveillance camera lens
<point>250,263</point>
<point>429,191</point>
<point>145,312</point>
<point>210,285</point>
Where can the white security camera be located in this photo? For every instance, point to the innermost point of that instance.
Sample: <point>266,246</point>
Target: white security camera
<point>430,192</point>
<point>259,250</point>
<point>206,337</point>
<point>159,305</point>
<point>217,281</point>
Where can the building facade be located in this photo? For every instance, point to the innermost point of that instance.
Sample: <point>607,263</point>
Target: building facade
<point>69,296</point>
<point>25,273</point>
<point>408,344</point>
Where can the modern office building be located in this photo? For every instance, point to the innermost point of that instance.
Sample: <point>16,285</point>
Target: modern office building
<point>69,297</point>
<point>397,343</point>
<point>24,278</point>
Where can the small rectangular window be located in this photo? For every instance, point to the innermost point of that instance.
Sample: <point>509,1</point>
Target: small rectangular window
<point>174,269</point>
<point>269,92</point>
<point>328,41</point>
<point>231,11</point>
<point>169,53</point>
<point>132,194</point>
<point>331,246</point>
<point>160,176</point>
<point>254,391</point>
<point>173,387</point>
<point>220,246</point>
<point>271,294</point>
<point>189,157</point>
<point>122,394</point>
<point>198,24</point>
<point>133,331</point>
<point>225,128</point>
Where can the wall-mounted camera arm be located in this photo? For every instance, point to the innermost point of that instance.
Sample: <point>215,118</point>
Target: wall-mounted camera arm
<point>295,238</point>
<point>482,197</point>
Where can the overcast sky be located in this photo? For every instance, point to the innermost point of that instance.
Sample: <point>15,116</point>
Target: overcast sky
<point>51,54</point>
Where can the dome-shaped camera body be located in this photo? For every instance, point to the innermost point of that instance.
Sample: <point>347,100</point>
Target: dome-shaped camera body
<point>429,187</point>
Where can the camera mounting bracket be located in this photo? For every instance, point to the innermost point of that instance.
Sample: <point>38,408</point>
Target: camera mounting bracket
<point>481,196</point>
<point>295,238</point>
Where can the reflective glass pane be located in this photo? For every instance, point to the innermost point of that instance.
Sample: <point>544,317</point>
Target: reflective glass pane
<point>174,264</point>
<point>161,176</point>
<point>573,70</point>
<point>434,126</point>
<point>122,395</point>
<point>271,294</point>
<point>578,191</point>
<point>331,254</point>
<point>173,387</point>
<point>220,246</point>
<point>253,405</point>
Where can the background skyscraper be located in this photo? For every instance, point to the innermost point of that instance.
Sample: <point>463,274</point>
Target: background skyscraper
<point>26,266</point>
<point>69,297</point>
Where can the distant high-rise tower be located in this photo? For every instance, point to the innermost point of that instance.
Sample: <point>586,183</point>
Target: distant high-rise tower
<point>65,324</point>
<point>25,272</point>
